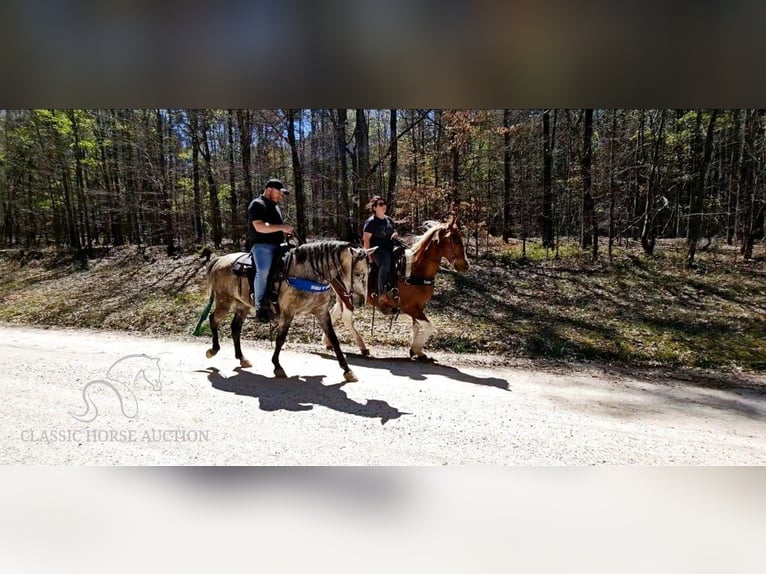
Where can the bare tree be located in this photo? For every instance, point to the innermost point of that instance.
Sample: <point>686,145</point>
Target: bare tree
<point>341,151</point>
<point>300,203</point>
<point>698,187</point>
<point>590,225</point>
<point>648,238</point>
<point>547,220</point>
<point>393,160</point>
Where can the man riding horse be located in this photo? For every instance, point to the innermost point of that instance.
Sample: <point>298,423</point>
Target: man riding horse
<point>266,232</point>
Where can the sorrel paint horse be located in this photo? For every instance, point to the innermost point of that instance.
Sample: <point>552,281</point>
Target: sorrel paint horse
<point>333,262</point>
<point>441,241</point>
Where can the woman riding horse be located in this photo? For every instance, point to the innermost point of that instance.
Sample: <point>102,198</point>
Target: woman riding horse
<point>379,232</point>
<point>416,286</point>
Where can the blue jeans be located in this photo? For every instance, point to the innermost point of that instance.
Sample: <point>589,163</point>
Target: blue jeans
<point>263,255</point>
<point>383,259</point>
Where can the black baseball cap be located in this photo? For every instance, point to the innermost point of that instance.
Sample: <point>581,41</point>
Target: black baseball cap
<point>277,184</point>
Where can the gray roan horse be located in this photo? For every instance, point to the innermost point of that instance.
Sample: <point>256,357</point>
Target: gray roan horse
<point>329,262</point>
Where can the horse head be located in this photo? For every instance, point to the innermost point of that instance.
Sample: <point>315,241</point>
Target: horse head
<point>452,248</point>
<point>359,271</point>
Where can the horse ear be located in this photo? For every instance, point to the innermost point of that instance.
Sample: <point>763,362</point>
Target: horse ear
<point>451,219</point>
<point>456,220</point>
<point>369,251</point>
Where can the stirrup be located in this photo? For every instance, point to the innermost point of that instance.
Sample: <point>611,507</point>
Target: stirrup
<point>262,315</point>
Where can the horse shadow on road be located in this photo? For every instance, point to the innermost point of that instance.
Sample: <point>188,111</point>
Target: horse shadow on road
<point>419,370</point>
<point>299,394</point>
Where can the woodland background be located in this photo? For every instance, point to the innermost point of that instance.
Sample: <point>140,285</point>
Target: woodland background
<point>84,179</point>
<point>627,237</point>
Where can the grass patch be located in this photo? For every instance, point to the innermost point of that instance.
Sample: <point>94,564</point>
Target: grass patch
<point>638,310</point>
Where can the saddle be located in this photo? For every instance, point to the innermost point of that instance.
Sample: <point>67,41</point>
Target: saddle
<point>398,271</point>
<point>245,266</point>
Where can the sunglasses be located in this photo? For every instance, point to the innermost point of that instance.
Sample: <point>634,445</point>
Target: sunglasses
<point>379,204</point>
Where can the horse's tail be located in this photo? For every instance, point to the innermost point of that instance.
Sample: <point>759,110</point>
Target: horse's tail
<point>212,258</point>
<point>205,313</point>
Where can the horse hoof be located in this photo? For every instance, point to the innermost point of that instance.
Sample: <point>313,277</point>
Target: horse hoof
<point>245,363</point>
<point>211,353</point>
<point>365,352</point>
<point>280,373</point>
<point>350,377</point>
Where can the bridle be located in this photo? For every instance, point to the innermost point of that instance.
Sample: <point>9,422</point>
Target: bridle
<point>340,288</point>
<point>452,252</point>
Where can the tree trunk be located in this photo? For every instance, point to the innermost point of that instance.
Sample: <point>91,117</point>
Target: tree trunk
<point>316,174</point>
<point>234,226</point>
<point>547,220</point>
<point>167,210</point>
<point>750,212</point>
<point>195,143</point>
<point>506,176</point>
<point>697,192</point>
<point>638,176</point>
<point>612,183</point>
<point>344,217</point>
<point>393,161</point>
<point>590,225</point>
<point>212,186</point>
<point>680,182</point>
<point>648,238</point>
<point>245,126</point>
<point>734,177</point>
<point>82,200</point>
<point>300,206</point>
<point>361,167</point>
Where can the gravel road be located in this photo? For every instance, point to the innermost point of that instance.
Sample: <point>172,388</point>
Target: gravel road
<point>155,401</point>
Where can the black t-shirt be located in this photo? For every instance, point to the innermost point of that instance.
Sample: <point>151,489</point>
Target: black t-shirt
<point>382,230</point>
<point>267,211</point>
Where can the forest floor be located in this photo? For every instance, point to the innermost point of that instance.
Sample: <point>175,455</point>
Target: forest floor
<point>637,311</point>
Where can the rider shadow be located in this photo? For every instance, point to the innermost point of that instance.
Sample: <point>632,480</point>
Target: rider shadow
<point>417,370</point>
<point>299,394</point>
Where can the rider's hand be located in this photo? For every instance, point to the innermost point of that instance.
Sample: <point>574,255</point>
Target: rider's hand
<point>288,228</point>
<point>395,235</point>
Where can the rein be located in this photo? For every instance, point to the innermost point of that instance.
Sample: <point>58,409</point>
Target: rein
<point>340,287</point>
<point>340,290</point>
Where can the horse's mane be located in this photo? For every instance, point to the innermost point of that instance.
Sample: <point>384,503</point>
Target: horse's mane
<point>323,257</point>
<point>432,228</point>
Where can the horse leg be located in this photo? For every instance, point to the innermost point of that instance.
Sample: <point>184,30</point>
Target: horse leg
<point>221,308</point>
<point>236,330</point>
<point>324,320</point>
<point>348,320</point>
<point>422,329</point>
<point>335,312</point>
<point>285,320</point>
<point>340,310</point>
